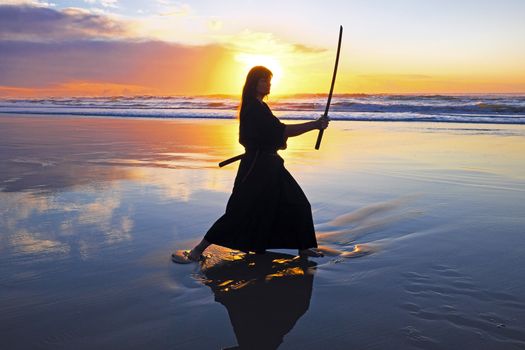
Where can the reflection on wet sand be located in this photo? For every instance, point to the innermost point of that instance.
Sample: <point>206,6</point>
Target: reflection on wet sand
<point>82,201</point>
<point>55,226</point>
<point>48,154</point>
<point>264,294</point>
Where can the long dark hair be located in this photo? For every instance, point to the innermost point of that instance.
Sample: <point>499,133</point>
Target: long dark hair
<point>249,91</point>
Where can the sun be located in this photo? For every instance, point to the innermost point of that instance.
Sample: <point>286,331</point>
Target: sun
<point>272,63</point>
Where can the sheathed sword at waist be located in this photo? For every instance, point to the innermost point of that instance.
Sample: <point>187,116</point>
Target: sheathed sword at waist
<point>231,160</point>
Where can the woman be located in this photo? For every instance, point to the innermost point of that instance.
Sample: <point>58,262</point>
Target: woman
<point>267,208</point>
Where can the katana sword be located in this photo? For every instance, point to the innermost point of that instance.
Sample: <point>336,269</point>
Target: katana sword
<point>320,136</point>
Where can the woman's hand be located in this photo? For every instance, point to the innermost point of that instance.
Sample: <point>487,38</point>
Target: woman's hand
<point>299,129</point>
<point>322,122</point>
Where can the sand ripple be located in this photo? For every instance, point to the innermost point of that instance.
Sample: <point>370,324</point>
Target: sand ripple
<point>445,295</point>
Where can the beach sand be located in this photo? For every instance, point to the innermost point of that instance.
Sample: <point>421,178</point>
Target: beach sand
<point>424,222</point>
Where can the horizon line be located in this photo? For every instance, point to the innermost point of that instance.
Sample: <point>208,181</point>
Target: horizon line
<point>210,95</point>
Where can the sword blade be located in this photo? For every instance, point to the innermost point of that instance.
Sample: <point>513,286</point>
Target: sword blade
<point>320,135</point>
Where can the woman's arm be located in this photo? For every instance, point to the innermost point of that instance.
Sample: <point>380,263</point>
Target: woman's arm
<point>299,129</point>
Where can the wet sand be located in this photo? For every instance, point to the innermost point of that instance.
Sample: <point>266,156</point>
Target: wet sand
<point>423,225</point>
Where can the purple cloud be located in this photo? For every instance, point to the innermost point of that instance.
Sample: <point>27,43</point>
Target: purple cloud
<point>43,48</point>
<point>31,23</point>
<point>153,64</point>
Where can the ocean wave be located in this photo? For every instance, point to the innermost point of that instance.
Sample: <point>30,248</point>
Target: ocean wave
<point>423,97</point>
<point>353,106</point>
<point>437,108</point>
<point>505,108</point>
<point>297,106</point>
<point>285,115</point>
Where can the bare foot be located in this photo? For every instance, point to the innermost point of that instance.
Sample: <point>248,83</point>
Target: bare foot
<point>311,252</point>
<point>186,256</point>
<point>194,255</point>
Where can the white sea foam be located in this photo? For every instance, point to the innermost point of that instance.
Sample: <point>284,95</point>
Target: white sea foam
<point>494,109</point>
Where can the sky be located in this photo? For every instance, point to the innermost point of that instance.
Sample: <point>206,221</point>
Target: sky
<point>201,47</point>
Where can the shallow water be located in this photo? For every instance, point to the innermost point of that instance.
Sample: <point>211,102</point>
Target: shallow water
<point>422,226</point>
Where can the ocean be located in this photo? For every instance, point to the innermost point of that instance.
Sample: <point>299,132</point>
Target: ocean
<point>487,108</point>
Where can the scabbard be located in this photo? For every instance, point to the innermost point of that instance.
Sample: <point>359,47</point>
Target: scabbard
<point>231,160</point>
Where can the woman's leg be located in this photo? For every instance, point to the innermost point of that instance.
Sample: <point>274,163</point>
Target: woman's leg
<point>313,252</point>
<point>196,252</point>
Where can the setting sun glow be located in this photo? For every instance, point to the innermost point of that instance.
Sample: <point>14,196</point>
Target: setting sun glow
<point>169,48</point>
<point>249,60</point>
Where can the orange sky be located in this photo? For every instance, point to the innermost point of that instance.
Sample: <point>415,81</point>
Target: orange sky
<point>173,48</point>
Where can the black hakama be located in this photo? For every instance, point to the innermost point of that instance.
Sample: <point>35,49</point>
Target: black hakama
<point>267,208</point>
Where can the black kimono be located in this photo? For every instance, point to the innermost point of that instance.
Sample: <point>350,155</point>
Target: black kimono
<point>267,208</point>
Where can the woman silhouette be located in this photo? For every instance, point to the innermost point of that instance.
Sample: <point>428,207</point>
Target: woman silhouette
<point>267,208</point>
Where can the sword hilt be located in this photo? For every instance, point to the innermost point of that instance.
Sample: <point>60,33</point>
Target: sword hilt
<point>319,138</point>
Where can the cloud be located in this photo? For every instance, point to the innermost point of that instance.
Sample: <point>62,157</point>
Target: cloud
<point>264,43</point>
<point>72,52</point>
<point>41,24</point>
<point>395,76</point>
<point>27,242</point>
<point>173,8</point>
<point>103,3</point>
<point>307,49</point>
<point>78,88</point>
<point>28,2</point>
<point>215,24</point>
<point>139,67</point>
<point>47,52</point>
